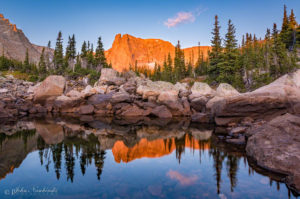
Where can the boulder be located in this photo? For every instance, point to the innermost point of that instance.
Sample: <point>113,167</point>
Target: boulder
<point>129,86</point>
<point>120,97</point>
<point>102,103</point>
<point>201,118</point>
<point>110,77</point>
<point>86,109</point>
<point>161,112</point>
<point>66,104</point>
<point>133,111</point>
<point>167,96</point>
<point>51,87</point>
<point>74,94</point>
<point>149,88</point>
<point>3,90</point>
<point>201,89</point>
<point>129,75</point>
<point>199,103</point>
<point>186,106</point>
<point>226,90</point>
<point>267,102</point>
<point>275,145</point>
<point>183,89</point>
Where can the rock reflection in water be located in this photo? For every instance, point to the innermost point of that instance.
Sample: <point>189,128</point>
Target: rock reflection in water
<point>63,143</point>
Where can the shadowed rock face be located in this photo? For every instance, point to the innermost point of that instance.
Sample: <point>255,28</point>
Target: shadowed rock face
<point>14,43</point>
<point>127,49</point>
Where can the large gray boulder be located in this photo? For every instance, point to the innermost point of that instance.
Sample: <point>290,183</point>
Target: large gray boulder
<point>226,90</point>
<point>223,91</point>
<point>51,87</point>
<point>276,146</point>
<point>200,89</point>
<point>155,89</point>
<point>110,77</point>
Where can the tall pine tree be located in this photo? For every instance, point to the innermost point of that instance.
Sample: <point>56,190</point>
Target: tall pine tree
<point>100,59</point>
<point>58,58</point>
<point>229,70</point>
<point>215,56</point>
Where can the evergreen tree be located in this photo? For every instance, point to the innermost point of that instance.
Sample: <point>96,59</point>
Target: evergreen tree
<point>100,59</point>
<point>70,50</point>
<point>49,44</point>
<point>26,64</point>
<point>285,32</point>
<point>78,63</point>
<point>58,54</point>
<point>90,56</point>
<point>215,56</point>
<point>42,63</point>
<point>285,21</point>
<point>292,21</point>
<point>298,36</point>
<point>170,68</point>
<point>292,33</point>
<point>179,63</point>
<point>229,69</point>
<point>268,50</point>
<point>280,65</point>
<point>84,50</point>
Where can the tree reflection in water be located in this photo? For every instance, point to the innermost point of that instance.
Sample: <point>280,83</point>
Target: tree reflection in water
<point>83,147</point>
<point>87,151</point>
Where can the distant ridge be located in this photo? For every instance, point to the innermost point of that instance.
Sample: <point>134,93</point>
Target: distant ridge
<point>127,49</point>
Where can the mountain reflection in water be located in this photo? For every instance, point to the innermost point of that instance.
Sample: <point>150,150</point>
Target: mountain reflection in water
<point>64,144</point>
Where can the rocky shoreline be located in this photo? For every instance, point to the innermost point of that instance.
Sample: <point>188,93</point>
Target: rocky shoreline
<point>263,121</point>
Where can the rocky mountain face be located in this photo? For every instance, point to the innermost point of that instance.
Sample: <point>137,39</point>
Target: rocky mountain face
<point>14,43</point>
<point>127,49</point>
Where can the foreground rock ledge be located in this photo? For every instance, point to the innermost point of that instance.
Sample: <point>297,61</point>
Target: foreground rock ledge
<point>276,146</point>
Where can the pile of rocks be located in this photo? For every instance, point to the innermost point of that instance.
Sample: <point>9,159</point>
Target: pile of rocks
<point>128,95</point>
<point>14,97</point>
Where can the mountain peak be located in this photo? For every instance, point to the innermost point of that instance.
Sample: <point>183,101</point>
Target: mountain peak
<point>127,50</point>
<point>14,43</point>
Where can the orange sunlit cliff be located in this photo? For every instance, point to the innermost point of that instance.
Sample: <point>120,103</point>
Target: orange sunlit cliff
<point>152,149</point>
<point>126,50</point>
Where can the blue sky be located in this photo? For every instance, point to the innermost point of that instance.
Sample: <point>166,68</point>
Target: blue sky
<point>189,21</point>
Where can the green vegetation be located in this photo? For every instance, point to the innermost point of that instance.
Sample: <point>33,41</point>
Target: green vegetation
<point>87,63</point>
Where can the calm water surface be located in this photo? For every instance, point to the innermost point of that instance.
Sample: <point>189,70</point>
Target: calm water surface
<point>60,158</point>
